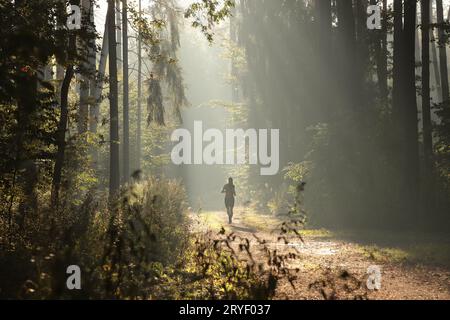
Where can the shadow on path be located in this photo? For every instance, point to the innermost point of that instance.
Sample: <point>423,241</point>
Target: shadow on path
<point>243,229</point>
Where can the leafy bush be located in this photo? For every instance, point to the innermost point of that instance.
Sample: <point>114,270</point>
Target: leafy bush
<point>119,248</point>
<point>140,247</point>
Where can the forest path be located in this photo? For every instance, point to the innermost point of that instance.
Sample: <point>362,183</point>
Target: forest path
<point>420,271</point>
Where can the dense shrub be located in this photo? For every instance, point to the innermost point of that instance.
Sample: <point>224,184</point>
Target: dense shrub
<point>140,247</point>
<point>118,247</point>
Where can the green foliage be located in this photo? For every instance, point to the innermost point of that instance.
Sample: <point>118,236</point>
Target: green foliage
<point>442,146</point>
<point>296,172</point>
<point>163,54</point>
<point>120,248</point>
<point>139,248</point>
<point>208,13</point>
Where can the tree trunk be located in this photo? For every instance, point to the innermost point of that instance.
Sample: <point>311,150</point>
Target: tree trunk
<point>126,119</point>
<point>114,169</point>
<point>324,41</point>
<point>233,72</point>
<point>435,60</point>
<point>426,99</point>
<point>62,128</point>
<point>83,112</point>
<point>362,37</point>
<point>118,34</point>
<point>405,119</point>
<point>442,51</point>
<point>381,53</point>
<point>398,62</point>
<point>348,98</point>
<point>428,191</point>
<point>92,62</point>
<point>139,96</point>
<point>409,107</point>
<point>101,74</point>
<point>348,53</point>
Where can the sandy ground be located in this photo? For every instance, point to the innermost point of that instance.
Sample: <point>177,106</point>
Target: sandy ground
<point>319,255</point>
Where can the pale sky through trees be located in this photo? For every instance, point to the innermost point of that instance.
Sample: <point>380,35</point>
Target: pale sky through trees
<point>103,5</point>
<point>100,13</point>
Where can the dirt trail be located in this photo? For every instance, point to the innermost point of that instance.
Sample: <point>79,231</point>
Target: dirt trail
<point>400,279</point>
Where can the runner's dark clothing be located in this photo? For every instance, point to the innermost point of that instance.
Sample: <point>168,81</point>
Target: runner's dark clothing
<point>230,192</point>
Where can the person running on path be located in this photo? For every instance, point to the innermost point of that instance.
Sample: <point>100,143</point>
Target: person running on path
<point>230,192</point>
